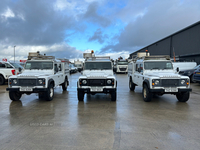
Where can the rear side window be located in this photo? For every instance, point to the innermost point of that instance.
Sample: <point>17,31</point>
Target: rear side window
<point>8,65</point>
<point>2,65</point>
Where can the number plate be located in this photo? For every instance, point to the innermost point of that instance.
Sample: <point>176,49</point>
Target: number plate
<point>198,72</point>
<point>171,90</point>
<point>26,89</point>
<point>96,89</point>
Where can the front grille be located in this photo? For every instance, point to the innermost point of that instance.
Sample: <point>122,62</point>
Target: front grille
<point>27,82</point>
<point>170,82</point>
<point>122,69</point>
<point>96,82</point>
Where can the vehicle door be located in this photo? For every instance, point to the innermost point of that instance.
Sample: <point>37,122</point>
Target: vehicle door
<point>136,74</point>
<point>140,74</point>
<point>56,74</point>
<point>61,76</point>
<point>9,70</point>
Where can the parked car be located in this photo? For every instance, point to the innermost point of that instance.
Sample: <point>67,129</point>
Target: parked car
<point>8,69</point>
<point>189,73</point>
<point>196,76</point>
<point>72,69</point>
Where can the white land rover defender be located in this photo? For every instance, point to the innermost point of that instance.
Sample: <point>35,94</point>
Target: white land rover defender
<point>97,77</point>
<point>41,74</point>
<point>155,75</point>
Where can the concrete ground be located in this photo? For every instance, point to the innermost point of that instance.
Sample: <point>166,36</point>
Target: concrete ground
<point>99,124</point>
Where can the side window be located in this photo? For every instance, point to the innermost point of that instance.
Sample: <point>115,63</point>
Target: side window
<point>8,66</point>
<point>136,68</point>
<point>2,65</point>
<point>141,67</point>
<point>55,68</point>
<point>60,67</point>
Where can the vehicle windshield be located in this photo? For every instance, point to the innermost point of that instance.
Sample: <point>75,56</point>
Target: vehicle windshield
<point>16,65</point>
<point>158,65</point>
<point>97,66</point>
<point>122,63</point>
<point>78,65</point>
<point>71,66</point>
<point>39,65</point>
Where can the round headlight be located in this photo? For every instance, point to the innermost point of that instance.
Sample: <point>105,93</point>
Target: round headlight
<point>84,81</point>
<point>109,81</point>
<point>15,81</point>
<point>182,81</point>
<point>40,81</point>
<point>157,82</point>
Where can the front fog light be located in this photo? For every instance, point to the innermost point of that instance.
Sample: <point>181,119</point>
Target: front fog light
<point>15,81</point>
<point>109,81</point>
<point>182,81</point>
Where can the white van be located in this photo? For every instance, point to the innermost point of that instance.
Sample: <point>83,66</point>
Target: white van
<point>183,65</point>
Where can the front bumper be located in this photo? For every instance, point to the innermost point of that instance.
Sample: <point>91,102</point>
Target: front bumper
<point>35,90</point>
<point>88,90</point>
<point>163,91</point>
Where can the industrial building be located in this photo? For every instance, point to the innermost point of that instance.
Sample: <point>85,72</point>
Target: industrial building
<point>184,45</point>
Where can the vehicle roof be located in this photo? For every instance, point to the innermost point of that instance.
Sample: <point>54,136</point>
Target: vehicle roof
<point>46,60</point>
<point>141,60</point>
<point>98,60</point>
<point>4,62</point>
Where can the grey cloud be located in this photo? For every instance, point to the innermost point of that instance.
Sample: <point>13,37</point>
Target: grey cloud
<point>61,50</point>
<point>98,36</point>
<point>91,15</point>
<point>41,25</point>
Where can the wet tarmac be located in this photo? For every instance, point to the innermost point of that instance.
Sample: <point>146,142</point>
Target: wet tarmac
<point>98,123</point>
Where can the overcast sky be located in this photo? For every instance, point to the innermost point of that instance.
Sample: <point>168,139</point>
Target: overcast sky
<point>67,28</point>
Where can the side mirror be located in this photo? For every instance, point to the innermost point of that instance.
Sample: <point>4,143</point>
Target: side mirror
<point>20,69</point>
<point>177,69</point>
<point>139,69</point>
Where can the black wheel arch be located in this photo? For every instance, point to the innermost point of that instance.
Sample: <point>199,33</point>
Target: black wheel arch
<point>146,82</point>
<point>51,81</point>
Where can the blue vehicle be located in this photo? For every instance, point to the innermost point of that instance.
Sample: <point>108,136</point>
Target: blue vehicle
<point>196,75</point>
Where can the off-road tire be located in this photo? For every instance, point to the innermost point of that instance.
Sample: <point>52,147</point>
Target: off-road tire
<point>131,85</point>
<point>147,95</point>
<point>50,93</point>
<point>2,80</point>
<point>80,95</point>
<point>14,95</point>
<point>113,96</point>
<point>183,97</point>
<point>64,85</point>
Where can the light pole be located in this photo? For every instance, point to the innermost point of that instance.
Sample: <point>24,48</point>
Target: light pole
<point>14,53</point>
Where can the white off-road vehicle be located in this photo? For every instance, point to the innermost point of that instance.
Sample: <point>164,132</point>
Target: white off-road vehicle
<point>121,66</point>
<point>155,75</point>
<point>97,77</point>
<point>41,74</point>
